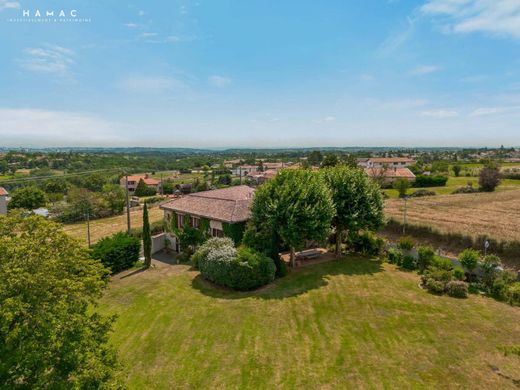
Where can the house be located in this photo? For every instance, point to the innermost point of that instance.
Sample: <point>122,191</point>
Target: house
<point>222,212</point>
<point>244,170</point>
<point>389,162</point>
<point>387,175</point>
<point>262,177</point>
<point>3,201</point>
<point>133,181</point>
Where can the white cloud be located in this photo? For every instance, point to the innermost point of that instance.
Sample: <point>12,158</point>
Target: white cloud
<point>484,111</point>
<point>425,69</point>
<point>131,25</point>
<point>401,104</point>
<point>44,127</point>
<point>48,59</point>
<point>329,118</point>
<point>440,113</point>
<point>6,4</point>
<point>219,81</point>
<point>146,35</point>
<point>395,41</point>
<point>141,13</point>
<point>149,85</point>
<point>496,17</point>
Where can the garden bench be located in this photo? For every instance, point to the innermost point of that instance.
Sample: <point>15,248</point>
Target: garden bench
<point>308,254</point>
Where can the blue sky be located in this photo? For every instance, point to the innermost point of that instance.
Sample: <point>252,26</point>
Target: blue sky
<point>210,73</point>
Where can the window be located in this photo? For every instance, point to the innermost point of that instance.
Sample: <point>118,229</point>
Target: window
<point>195,222</point>
<point>180,221</point>
<point>217,233</point>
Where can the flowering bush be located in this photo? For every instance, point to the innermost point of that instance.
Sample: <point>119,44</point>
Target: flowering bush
<point>241,269</point>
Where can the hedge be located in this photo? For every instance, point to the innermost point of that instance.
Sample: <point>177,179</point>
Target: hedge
<point>430,181</point>
<point>118,252</point>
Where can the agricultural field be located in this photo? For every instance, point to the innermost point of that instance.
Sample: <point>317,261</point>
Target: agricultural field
<point>494,214</point>
<point>352,323</point>
<point>100,228</point>
<point>457,182</point>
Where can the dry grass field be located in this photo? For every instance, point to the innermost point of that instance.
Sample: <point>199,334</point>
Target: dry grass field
<point>107,226</point>
<point>494,214</point>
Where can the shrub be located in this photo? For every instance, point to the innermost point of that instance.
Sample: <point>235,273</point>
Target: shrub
<point>426,256</point>
<point>465,190</point>
<point>469,258</point>
<point>457,289</point>
<point>489,179</point>
<point>489,265</point>
<point>501,283</point>
<point>421,193</point>
<point>210,245</point>
<point>430,181</point>
<point>243,269</point>
<point>435,286</point>
<point>405,243</point>
<point>394,256</point>
<point>513,294</point>
<point>409,263</point>
<point>367,243</point>
<point>118,252</point>
<point>442,263</point>
<point>458,273</point>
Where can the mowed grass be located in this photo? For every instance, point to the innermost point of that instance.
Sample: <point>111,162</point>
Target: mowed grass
<point>493,214</point>
<point>352,323</point>
<point>100,228</point>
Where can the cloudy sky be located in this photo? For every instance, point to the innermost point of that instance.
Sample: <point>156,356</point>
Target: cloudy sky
<point>229,73</point>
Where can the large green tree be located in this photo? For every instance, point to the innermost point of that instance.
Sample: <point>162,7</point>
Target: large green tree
<point>50,333</point>
<point>292,208</point>
<point>29,198</point>
<point>357,199</point>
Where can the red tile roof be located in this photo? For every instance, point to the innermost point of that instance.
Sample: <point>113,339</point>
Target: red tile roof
<point>3,191</point>
<point>390,173</point>
<point>227,204</point>
<point>147,180</point>
<point>390,160</point>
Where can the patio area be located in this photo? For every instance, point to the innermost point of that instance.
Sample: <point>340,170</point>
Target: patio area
<point>309,257</point>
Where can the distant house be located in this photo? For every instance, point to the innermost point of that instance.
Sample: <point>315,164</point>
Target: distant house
<point>222,212</point>
<point>262,177</point>
<point>3,201</point>
<point>133,181</point>
<point>389,162</point>
<point>387,175</point>
<point>244,170</point>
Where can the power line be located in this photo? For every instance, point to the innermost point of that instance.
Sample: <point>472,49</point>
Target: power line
<point>65,175</point>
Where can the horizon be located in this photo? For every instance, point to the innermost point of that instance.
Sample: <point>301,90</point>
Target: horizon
<point>214,75</point>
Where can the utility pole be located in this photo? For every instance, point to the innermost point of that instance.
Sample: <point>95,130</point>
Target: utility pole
<point>88,228</point>
<point>162,190</point>
<point>404,216</point>
<point>127,205</point>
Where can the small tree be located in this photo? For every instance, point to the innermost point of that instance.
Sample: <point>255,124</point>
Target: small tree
<point>143,190</point>
<point>119,252</point>
<point>29,198</point>
<point>456,170</point>
<point>489,179</point>
<point>402,186</point>
<point>469,258</point>
<point>147,239</point>
<point>330,160</point>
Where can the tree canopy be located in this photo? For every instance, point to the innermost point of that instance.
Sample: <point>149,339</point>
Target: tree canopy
<point>357,199</point>
<point>296,206</point>
<point>49,335</point>
<point>29,198</point>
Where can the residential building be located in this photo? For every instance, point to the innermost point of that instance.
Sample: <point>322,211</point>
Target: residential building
<point>387,175</point>
<point>133,181</point>
<point>389,162</point>
<point>222,212</point>
<point>244,170</point>
<point>3,201</point>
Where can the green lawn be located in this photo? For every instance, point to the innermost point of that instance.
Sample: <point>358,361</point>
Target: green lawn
<point>346,324</point>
